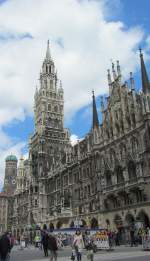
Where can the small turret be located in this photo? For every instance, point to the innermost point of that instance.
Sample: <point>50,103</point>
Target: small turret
<point>109,81</point>
<point>118,69</point>
<point>132,82</point>
<point>114,72</point>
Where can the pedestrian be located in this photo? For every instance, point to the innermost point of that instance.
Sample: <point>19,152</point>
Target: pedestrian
<point>52,246</point>
<point>78,245</point>
<point>90,248</point>
<point>45,243</point>
<point>5,247</point>
<point>132,236</point>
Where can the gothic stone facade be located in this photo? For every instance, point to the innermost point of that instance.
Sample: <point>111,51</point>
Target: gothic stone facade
<point>103,180</point>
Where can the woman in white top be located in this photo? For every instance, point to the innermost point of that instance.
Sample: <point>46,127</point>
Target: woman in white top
<point>78,244</point>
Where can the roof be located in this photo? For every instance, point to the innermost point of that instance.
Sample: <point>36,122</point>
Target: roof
<point>3,194</point>
<point>11,158</point>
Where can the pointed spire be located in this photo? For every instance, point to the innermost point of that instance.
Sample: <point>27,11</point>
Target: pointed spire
<point>132,82</point>
<point>95,115</point>
<point>48,55</point>
<point>144,76</point>
<point>118,69</point>
<point>109,77</point>
<point>61,84</point>
<point>113,71</point>
<point>109,81</point>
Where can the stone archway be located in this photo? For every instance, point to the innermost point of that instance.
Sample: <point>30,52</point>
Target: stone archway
<point>51,226</point>
<point>129,219</point>
<point>44,227</point>
<point>118,221</point>
<point>83,223</point>
<point>71,224</point>
<point>107,223</point>
<point>143,218</point>
<point>94,223</point>
<point>59,224</point>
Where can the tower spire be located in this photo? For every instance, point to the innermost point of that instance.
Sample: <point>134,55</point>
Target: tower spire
<point>114,72</point>
<point>48,55</point>
<point>144,75</point>
<point>95,115</point>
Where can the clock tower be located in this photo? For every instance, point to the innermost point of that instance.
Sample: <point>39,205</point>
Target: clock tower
<point>10,174</point>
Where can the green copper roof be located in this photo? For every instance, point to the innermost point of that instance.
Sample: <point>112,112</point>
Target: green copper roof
<point>11,158</point>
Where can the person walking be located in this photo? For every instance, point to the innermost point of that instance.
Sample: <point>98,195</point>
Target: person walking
<point>52,246</point>
<point>5,247</point>
<point>45,243</point>
<point>132,236</point>
<point>78,244</point>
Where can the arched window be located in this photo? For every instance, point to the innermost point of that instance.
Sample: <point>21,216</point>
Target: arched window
<point>97,159</point>
<point>51,84</point>
<point>49,107</point>
<point>56,108</point>
<point>148,99</point>
<point>94,223</point>
<point>108,178</point>
<point>132,170</point>
<point>112,157</point>
<point>123,152</point>
<point>134,144</point>
<point>128,121</point>
<point>119,173</point>
<point>146,138</point>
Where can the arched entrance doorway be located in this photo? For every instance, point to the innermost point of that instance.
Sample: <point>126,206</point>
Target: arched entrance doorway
<point>83,223</point>
<point>94,223</point>
<point>72,224</point>
<point>44,227</point>
<point>143,218</point>
<point>129,220</point>
<point>51,227</point>
<point>59,224</point>
<point>120,229</point>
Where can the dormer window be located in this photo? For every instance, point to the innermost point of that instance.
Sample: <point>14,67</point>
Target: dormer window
<point>49,107</point>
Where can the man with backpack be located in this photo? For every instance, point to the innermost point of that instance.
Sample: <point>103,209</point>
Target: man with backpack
<point>52,246</point>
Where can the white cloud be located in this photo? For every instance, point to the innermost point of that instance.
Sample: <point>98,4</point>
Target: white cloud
<point>74,139</point>
<point>88,42</point>
<point>82,43</point>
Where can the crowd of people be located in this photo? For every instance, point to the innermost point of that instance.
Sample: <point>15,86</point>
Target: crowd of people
<point>51,242</point>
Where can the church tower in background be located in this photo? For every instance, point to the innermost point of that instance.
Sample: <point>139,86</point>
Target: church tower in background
<point>10,174</point>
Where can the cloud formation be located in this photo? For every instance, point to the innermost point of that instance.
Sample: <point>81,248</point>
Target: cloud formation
<point>83,40</point>
<point>82,44</point>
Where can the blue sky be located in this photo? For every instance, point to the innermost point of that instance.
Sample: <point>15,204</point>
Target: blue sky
<point>82,45</point>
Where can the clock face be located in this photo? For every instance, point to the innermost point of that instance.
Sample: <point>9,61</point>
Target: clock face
<point>13,181</point>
